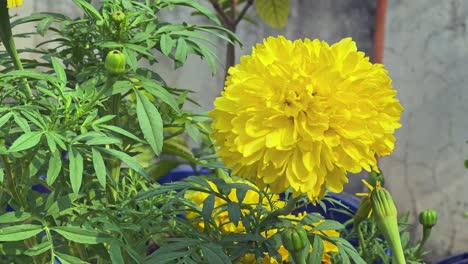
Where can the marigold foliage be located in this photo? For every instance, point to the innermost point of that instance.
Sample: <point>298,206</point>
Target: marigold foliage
<point>252,198</point>
<point>301,114</point>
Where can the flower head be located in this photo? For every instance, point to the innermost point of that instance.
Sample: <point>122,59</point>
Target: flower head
<point>14,3</point>
<point>301,114</point>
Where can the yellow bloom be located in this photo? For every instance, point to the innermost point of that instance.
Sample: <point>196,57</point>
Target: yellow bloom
<point>14,3</point>
<point>301,114</point>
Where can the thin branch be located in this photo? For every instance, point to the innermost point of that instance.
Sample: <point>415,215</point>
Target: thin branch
<point>243,11</point>
<point>224,18</point>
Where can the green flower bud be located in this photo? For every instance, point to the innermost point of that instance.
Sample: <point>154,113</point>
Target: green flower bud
<point>385,213</point>
<point>296,242</point>
<point>115,62</point>
<point>374,177</point>
<point>428,218</point>
<point>118,16</point>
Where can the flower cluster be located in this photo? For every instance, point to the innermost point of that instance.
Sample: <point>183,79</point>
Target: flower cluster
<point>301,114</point>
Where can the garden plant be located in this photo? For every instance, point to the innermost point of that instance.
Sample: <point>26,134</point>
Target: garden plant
<point>88,127</point>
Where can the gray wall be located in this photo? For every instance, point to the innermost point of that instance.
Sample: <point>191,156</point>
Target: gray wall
<point>426,54</point>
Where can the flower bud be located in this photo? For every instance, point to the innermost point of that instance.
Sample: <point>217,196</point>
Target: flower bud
<point>385,213</point>
<point>118,16</point>
<point>295,241</point>
<point>115,62</point>
<point>428,218</point>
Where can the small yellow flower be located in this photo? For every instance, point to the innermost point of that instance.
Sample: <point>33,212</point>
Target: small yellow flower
<point>302,113</point>
<point>14,3</point>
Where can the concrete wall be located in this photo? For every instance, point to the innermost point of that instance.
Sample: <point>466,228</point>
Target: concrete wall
<point>426,54</point>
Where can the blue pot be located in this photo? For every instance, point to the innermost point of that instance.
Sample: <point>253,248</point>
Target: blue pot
<point>457,259</point>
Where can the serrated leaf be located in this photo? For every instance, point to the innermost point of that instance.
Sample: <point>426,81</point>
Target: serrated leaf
<point>55,165</point>
<point>67,259</point>
<point>22,123</point>
<point>161,93</point>
<point>208,206</point>
<point>99,167</point>
<point>19,232</point>
<point>329,225</point>
<point>132,60</point>
<point>39,248</point>
<point>26,141</point>
<point>14,217</point>
<point>125,158</point>
<point>317,252</point>
<point>150,121</point>
<point>214,254</point>
<point>5,118</point>
<point>234,212</point>
<point>61,75</point>
<point>166,44</point>
<point>181,51</point>
<point>273,12</point>
<point>80,235</point>
<point>76,169</point>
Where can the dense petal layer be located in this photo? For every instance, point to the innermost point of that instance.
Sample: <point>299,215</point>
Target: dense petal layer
<point>301,114</point>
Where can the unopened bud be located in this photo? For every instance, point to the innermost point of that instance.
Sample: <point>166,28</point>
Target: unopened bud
<point>428,218</point>
<point>115,62</point>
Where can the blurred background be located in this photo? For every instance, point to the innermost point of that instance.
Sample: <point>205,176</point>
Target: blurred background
<point>424,47</point>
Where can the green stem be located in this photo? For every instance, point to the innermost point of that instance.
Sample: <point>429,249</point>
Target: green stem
<point>426,235</point>
<point>389,227</point>
<point>361,239</point>
<point>6,36</point>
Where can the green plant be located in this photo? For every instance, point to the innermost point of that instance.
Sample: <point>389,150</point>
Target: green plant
<point>73,122</point>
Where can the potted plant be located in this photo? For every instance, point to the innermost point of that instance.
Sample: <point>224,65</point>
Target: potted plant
<point>91,125</point>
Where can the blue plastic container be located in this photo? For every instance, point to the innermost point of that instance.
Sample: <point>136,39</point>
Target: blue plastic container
<point>457,259</point>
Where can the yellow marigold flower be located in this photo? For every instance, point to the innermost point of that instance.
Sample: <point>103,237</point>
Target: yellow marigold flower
<point>14,3</point>
<point>301,114</point>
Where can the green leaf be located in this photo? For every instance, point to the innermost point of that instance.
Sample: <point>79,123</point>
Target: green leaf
<point>62,76</point>
<point>161,93</point>
<point>115,252</point>
<point>192,131</point>
<point>166,44</point>
<point>62,204</point>
<point>26,141</point>
<point>5,118</point>
<point>76,169</point>
<point>130,161</point>
<point>123,132</point>
<point>67,259</point>
<point>203,10</point>
<point>132,60</point>
<point>150,121</point>
<point>14,217</point>
<point>44,25</point>
<point>39,248</point>
<point>80,235</point>
<point>317,252</point>
<point>55,165</point>
<point>273,12</point>
<point>181,51</point>
<point>214,254</point>
<point>99,167</point>
<point>22,123</point>
<point>88,9</point>
<point>329,225</point>
<point>234,212</point>
<point>208,206</point>
<point>19,232</point>
<point>37,162</point>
